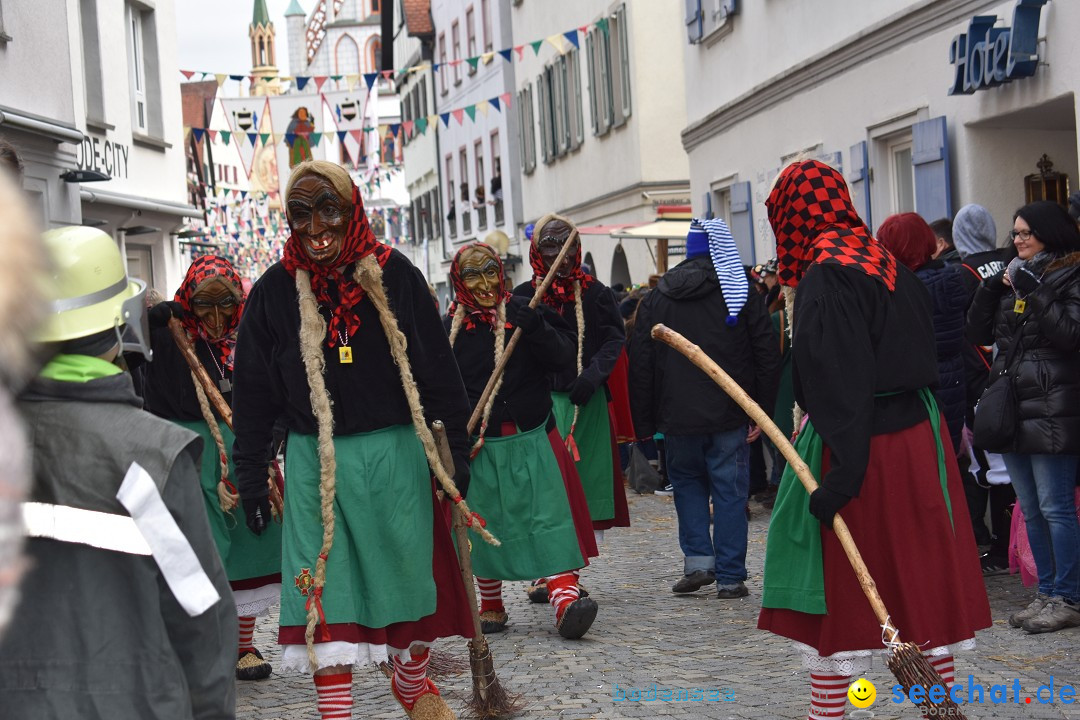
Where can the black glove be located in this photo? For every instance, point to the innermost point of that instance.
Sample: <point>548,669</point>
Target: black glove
<point>526,318</point>
<point>258,514</point>
<point>996,284</point>
<point>824,503</point>
<point>582,391</point>
<point>160,314</point>
<point>1025,282</point>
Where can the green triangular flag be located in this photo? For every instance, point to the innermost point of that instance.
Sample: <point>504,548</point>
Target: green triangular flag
<point>474,62</point>
<point>314,139</point>
<point>225,135</point>
<point>421,125</point>
<point>536,46</point>
<point>264,137</point>
<point>602,23</point>
<point>470,110</point>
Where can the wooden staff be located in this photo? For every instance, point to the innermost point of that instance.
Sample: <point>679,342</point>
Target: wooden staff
<point>478,411</point>
<point>179,334</point>
<point>905,660</point>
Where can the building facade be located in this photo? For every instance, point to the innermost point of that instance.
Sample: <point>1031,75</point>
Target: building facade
<point>597,118</point>
<point>99,129</point>
<point>476,136</point>
<point>924,105</point>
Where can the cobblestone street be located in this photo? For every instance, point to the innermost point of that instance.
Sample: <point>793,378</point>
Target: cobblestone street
<point>645,634</point>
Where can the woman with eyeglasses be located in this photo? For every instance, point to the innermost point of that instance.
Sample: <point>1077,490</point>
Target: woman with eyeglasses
<point>1032,311</point>
<point>209,304</point>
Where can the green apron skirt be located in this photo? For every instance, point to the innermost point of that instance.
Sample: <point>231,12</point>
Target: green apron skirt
<point>379,570</point>
<point>593,438</point>
<point>517,487</point>
<point>246,556</point>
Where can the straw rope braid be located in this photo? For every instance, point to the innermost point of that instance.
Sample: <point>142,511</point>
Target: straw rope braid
<point>500,340</point>
<point>369,274</point>
<point>312,332</point>
<point>579,315</point>
<point>227,495</point>
<point>797,412</point>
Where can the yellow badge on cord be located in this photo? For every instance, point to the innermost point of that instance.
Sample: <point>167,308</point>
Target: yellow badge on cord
<point>344,355</point>
<point>1019,306</point>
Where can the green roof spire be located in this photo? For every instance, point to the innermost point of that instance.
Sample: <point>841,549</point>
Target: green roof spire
<point>295,9</point>
<point>261,16</point>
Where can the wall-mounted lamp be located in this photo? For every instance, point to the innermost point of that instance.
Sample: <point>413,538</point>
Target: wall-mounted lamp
<point>140,230</point>
<point>81,176</point>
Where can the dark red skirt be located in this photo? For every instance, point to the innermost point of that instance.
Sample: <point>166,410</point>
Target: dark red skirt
<point>618,482</point>
<point>926,571</point>
<point>452,615</point>
<point>579,507</point>
<point>617,383</point>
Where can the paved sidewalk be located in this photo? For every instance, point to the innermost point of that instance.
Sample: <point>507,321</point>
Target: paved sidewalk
<point>645,634</point>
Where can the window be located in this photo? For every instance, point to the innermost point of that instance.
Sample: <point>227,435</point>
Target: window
<point>470,34</point>
<point>544,107</point>
<point>376,7</point>
<point>480,194</point>
<point>903,177</point>
<point>466,201</point>
<point>137,64</point>
<point>4,37</point>
<point>451,214</point>
<point>495,195</point>
<point>561,119</point>
<point>455,37</point>
<point>485,18</point>
<point>442,63</point>
<point>422,95</point>
<point>526,129</point>
<point>375,54</point>
<point>621,34</point>
<point>91,46</point>
<point>608,60</point>
<point>346,56</point>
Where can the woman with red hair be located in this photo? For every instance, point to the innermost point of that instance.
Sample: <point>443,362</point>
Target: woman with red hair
<point>912,242</point>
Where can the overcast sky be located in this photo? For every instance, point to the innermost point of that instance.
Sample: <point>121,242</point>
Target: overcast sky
<point>213,34</point>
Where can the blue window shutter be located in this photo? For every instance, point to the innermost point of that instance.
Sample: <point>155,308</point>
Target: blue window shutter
<point>930,156</point>
<point>693,21</point>
<point>708,206</point>
<point>742,221</point>
<point>859,180</point>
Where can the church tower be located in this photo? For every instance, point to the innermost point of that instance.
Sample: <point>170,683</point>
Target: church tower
<point>263,49</point>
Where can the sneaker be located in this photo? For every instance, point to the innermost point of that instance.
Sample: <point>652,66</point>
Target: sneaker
<point>730,592</point>
<point>1056,614</point>
<point>994,565</point>
<point>1017,619</point>
<point>666,491</point>
<point>694,581</point>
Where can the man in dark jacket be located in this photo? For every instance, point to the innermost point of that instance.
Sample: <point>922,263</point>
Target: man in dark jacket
<point>705,298</point>
<point>126,611</point>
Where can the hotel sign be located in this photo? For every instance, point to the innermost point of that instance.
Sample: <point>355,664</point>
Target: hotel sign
<point>987,56</point>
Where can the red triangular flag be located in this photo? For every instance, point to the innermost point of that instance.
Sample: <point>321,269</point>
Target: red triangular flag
<point>319,80</point>
<point>357,135</point>
<point>520,50</point>
<point>505,97</point>
<point>386,74</point>
<point>213,135</point>
<point>458,115</point>
<point>584,29</point>
<point>187,73</point>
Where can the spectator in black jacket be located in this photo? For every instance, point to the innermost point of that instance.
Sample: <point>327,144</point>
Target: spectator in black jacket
<point>1032,311</point>
<point>706,298</point>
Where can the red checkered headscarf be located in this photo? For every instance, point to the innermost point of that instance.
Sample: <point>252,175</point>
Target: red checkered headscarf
<point>202,271</point>
<point>561,290</point>
<point>359,243</point>
<point>474,312</point>
<point>814,221</point>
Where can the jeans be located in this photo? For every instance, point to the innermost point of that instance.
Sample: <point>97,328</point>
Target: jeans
<point>716,465</point>
<point>1046,488</point>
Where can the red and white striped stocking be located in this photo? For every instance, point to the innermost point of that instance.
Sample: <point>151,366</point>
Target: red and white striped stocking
<point>335,696</point>
<point>410,678</point>
<point>945,666</point>
<point>828,695</point>
<point>562,590</point>
<point>490,595</point>
<point>247,629</point>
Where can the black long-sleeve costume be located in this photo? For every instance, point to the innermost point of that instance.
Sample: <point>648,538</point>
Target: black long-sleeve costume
<point>270,380</point>
<point>859,353</point>
<point>525,395</point>
<point>168,391</point>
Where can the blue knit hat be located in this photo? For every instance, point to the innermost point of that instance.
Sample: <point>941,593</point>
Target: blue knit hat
<point>697,241</point>
<point>725,259</point>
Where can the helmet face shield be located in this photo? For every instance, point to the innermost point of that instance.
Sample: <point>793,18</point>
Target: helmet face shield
<point>133,324</point>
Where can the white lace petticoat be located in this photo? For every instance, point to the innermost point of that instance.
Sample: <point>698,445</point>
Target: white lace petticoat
<point>857,662</point>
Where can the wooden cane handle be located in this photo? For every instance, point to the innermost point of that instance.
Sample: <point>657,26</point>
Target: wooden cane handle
<point>732,388</point>
<point>179,334</point>
<point>478,411</point>
<point>438,430</point>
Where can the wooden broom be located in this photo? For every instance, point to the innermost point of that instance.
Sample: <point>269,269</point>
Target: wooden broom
<point>179,334</point>
<point>489,698</point>
<point>905,659</point>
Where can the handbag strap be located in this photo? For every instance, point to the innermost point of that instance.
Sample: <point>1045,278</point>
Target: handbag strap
<point>1014,347</point>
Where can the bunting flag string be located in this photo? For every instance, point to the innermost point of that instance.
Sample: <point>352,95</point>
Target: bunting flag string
<point>560,41</point>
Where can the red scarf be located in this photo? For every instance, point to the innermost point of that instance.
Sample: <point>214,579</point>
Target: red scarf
<point>814,221</point>
<point>359,243</point>
<point>474,313</point>
<point>201,271</point>
<point>561,290</point>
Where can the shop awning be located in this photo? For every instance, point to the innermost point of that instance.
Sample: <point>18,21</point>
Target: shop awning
<point>604,229</point>
<point>659,230</point>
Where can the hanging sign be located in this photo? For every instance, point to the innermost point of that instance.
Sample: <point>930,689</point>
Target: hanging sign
<point>986,56</point>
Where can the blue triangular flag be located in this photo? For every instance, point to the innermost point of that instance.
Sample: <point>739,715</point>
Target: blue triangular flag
<point>301,81</point>
<point>290,138</point>
<point>571,35</point>
<point>370,79</point>
<point>253,138</point>
<point>199,132</point>
<point>237,77</point>
<point>341,135</point>
<point>394,127</point>
<point>445,118</point>
<point>506,54</point>
<point>494,102</point>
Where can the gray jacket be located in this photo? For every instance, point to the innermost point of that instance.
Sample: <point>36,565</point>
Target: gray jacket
<point>98,633</point>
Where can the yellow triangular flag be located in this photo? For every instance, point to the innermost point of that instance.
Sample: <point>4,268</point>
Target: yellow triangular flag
<point>352,80</point>
<point>221,78</point>
<point>556,42</point>
<point>488,57</point>
<point>482,106</point>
